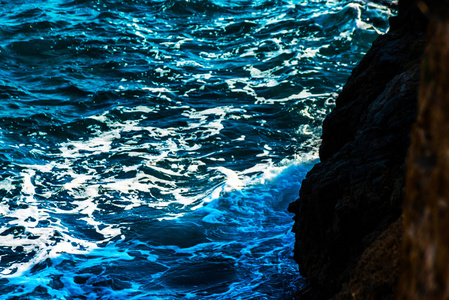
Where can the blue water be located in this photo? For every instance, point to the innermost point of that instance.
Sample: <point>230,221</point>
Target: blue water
<point>149,149</point>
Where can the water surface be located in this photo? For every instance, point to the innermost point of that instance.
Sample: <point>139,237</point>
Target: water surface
<point>149,149</point>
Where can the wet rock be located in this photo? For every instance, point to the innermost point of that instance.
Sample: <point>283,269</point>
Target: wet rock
<point>356,191</point>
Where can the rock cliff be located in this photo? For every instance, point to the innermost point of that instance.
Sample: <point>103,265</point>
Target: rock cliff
<point>425,263</point>
<point>347,217</point>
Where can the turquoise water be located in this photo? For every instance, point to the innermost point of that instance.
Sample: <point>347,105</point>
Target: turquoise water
<point>149,149</point>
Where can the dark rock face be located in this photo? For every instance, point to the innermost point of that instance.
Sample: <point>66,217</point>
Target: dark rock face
<point>425,268</point>
<point>376,275</point>
<point>356,191</point>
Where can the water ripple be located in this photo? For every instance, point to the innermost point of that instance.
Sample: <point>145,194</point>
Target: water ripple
<point>149,149</point>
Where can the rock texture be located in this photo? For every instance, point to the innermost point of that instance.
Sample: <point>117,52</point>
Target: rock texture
<point>376,275</point>
<point>426,206</point>
<point>355,193</point>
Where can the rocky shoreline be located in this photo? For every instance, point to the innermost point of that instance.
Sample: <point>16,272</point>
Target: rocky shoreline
<point>348,218</point>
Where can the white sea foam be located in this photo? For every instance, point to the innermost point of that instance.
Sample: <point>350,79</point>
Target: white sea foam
<point>158,173</point>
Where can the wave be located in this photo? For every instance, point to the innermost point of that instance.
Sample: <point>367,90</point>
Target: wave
<point>226,238</point>
<point>147,145</point>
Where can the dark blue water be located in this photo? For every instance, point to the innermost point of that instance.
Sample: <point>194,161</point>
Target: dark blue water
<point>149,149</point>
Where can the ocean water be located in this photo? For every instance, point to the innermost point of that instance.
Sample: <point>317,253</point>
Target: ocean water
<point>149,149</point>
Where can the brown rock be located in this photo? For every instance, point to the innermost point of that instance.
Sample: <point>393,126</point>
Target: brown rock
<point>377,273</point>
<point>426,209</point>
